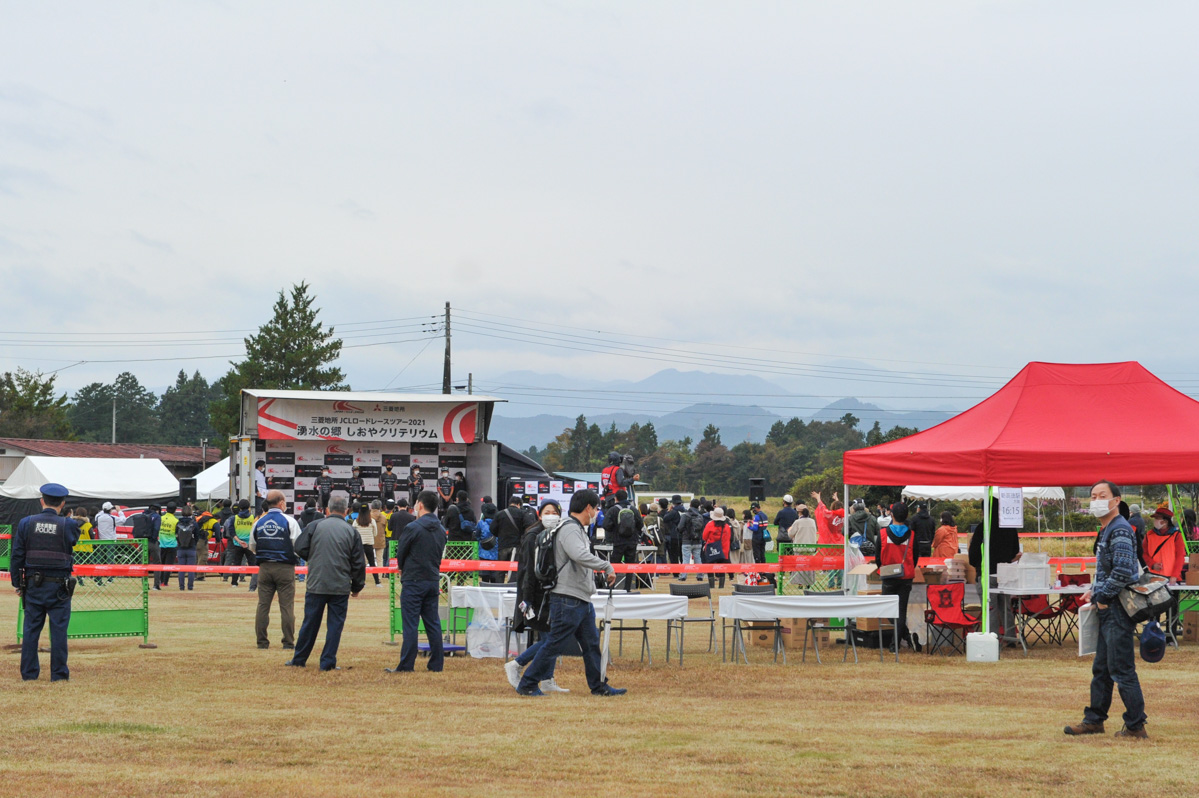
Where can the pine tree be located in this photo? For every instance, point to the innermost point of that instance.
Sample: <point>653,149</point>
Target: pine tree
<point>292,351</point>
<point>29,408</point>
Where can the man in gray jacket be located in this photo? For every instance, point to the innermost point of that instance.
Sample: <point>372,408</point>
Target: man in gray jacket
<point>336,571</point>
<point>571,611</point>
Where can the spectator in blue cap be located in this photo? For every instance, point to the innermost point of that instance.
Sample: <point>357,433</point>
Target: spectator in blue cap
<point>40,569</point>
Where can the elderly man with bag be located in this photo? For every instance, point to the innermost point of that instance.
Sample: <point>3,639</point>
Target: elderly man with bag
<point>1115,662</point>
<point>336,571</point>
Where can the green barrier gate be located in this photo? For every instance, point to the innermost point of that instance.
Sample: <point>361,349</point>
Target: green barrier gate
<point>795,583</point>
<point>108,606</point>
<point>454,619</point>
<point>5,546</point>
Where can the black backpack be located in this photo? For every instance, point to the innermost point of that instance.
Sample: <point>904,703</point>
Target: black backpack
<point>142,526</point>
<point>626,524</point>
<point>545,566</point>
<point>185,534</point>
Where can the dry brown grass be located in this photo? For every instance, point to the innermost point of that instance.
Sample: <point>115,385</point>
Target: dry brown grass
<point>208,714</point>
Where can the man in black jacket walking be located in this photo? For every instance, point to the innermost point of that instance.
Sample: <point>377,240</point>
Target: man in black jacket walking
<point>508,527</point>
<point>418,561</point>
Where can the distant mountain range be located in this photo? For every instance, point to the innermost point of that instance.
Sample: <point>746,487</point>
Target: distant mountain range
<point>685,403</point>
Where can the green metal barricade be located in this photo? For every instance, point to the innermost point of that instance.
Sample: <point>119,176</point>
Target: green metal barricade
<point>795,583</point>
<point>108,606</point>
<point>454,619</point>
<point>5,546</point>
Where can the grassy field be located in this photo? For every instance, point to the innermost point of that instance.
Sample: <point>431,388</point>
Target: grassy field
<point>206,713</point>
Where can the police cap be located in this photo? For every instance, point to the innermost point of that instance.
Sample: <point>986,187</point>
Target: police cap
<point>52,490</point>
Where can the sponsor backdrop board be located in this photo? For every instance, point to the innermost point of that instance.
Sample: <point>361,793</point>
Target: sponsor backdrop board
<point>293,466</point>
<point>537,492</point>
<point>364,422</point>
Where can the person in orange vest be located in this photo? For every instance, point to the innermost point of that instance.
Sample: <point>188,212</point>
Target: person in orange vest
<point>896,561</point>
<point>1165,552</point>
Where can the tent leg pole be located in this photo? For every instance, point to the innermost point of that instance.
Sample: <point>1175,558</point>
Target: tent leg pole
<point>984,575</point>
<point>845,542</point>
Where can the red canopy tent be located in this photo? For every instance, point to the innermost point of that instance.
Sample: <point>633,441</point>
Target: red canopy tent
<point>1052,424</point>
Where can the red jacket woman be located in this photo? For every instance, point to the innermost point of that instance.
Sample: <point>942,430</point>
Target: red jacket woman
<point>720,531</point>
<point>1164,549</point>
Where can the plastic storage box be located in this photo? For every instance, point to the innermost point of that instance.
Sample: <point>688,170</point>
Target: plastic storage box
<point>982,647</point>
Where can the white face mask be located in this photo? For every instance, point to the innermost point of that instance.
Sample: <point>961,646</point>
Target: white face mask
<point>1099,507</point>
<point>549,521</point>
<point>1159,524</point>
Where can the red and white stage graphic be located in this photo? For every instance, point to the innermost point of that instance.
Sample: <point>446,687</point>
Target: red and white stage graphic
<point>370,422</point>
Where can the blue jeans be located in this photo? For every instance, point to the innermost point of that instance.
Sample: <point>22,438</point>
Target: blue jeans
<point>569,617</point>
<point>418,602</point>
<point>314,608</point>
<point>693,555</point>
<point>48,601</point>
<point>1115,661</point>
<point>526,656</point>
<point>187,556</point>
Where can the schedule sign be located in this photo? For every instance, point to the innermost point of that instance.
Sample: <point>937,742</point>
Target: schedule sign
<point>1011,508</point>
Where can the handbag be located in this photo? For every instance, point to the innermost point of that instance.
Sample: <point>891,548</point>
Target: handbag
<point>713,552</point>
<point>1146,598</point>
<point>891,571</point>
<point>734,543</point>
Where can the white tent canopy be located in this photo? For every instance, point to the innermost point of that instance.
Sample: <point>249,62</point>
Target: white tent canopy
<point>212,484</point>
<point>92,478</point>
<point>976,493</point>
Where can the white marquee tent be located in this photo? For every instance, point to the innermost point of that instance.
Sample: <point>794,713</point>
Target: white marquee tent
<point>952,494</point>
<point>212,484</point>
<point>89,480</point>
<point>92,478</point>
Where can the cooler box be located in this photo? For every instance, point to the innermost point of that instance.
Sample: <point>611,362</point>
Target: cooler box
<point>982,648</point>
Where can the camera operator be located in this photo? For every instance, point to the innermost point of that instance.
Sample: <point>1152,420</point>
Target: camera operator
<point>618,475</point>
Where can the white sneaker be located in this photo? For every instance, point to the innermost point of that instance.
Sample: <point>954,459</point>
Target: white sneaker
<point>512,668</point>
<point>550,686</point>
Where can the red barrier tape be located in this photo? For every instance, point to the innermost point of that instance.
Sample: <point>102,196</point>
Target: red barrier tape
<point>796,563</point>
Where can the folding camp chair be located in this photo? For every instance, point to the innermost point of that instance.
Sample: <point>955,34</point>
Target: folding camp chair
<point>946,623</point>
<point>816,626</point>
<point>1037,619</point>
<point>696,591</point>
<point>1068,608</point>
<point>739,639</point>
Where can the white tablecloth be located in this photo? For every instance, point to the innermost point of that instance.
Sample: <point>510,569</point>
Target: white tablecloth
<point>1072,590</point>
<point>649,607</point>
<point>478,597</point>
<point>768,608</point>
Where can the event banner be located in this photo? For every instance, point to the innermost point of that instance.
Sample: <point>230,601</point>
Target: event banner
<point>371,422</point>
<point>293,466</point>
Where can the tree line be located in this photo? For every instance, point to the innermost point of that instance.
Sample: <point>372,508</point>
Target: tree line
<point>795,455</point>
<point>293,350</point>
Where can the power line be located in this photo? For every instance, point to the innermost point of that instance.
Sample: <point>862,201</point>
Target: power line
<point>712,361</point>
<point>751,348</point>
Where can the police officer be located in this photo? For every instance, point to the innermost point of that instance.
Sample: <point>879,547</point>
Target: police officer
<point>41,573</point>
<point>355,487</point>
<point>387,484</point>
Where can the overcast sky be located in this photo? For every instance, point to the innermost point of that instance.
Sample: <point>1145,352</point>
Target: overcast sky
<point>896,184</point>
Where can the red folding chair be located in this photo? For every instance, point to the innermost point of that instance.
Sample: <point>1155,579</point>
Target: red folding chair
<point>1070,604</point>
<point>946,623</point>
<point>1038,619</point>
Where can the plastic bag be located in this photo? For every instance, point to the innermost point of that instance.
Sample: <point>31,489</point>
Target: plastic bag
<point>1088,630</point>
<point>484,638</point>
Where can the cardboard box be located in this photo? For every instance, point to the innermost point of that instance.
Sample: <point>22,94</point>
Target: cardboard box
<point>918,579</point>
<point>1190,627</point>
<point>874,579</point>
<point>794,629</point>
<point>934,576</point>
<point>1192,576</point>
<point>964,559</point>
<point>971,575</point>
<point>759,633</point>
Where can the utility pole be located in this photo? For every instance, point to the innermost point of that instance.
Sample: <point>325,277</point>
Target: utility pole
<point>470,383</point>
<point>445,372</point>
<point>203,453</point>
<point>114,419</point>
